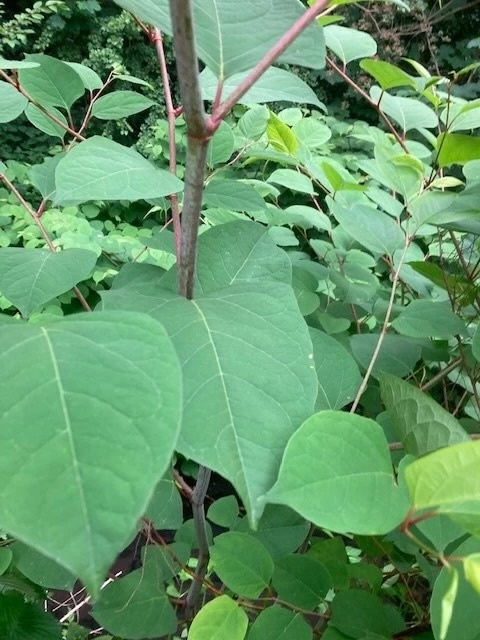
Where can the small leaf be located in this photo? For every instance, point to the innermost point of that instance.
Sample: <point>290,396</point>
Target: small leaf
<point>219,619</point>
<point>349,44</point>
<point>476,344</point>
<point>32,277</point>
<point>12,102</point>
<point>6,556</point>
<point>293,180</point>
<point>242,563</point>
<point>253,124</point>
<point>42,122</point>
<point>457,148</point>
<point>448,602</point>
<point>232,195</point>
<point>277,623</point>
<point>221,146</point>
<point>387,75</point>
<point>280,136</point>
<point>120,104</point>
<point>397,356</point>
<point>471,566</point>
<point>100,169</point>
<point>90,79</point>
<point>312,132</point>
<point>331,467</point>
<point>224,512</point>
<point>428,319</point>
<point>165,508</point>
<point>53,83</point>
<point>301,580</point>
<point>356,612</point>
<point>420,423</point>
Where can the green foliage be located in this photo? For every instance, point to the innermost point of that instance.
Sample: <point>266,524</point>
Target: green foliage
<point>334,259</point>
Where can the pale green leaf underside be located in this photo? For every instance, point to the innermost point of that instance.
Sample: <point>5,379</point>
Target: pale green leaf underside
<point>32,277</point>
<point>249,379</point>
<point>12,102</point>
<point>100,169</point>
<point>218,23</point>
<point>53,83</point>
<point>336,472</point>
<point>409,113</point>
<point>89,420</point>
<point>349,44</point>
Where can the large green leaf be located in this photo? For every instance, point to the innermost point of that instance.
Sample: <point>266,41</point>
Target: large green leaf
<point>349,44</point>
<point>12,102</point>
<point>219,619</point>
<point>428,319</point>
<point>409,113</point>
<point>275,85</point>
<point>242,563</point>
<point>80,397</point>
<point>277,623</point>
<point>53,83</point>
<point>463,625</point>
<point>337,372</point>
<point>337,473</point>
<point>232,195</point>
<point>136,606</point>
<point>373,229</point>
<point>31,277</point>
<point>100,169</point>
<point>237,252</point>
<point>420,423</point>
<point>447,481</point>
<point>120,104</point>
<point>218,23</point>
<point>248,375</point>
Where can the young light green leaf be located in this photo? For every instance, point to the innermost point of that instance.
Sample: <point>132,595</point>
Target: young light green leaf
<point>349,44</point>
<point>53,83</point>
<point>136,606</point>
<point>31,277</point>
<point>463,626</point>
<point>331,468</point>
<point>447,481</point>
<point>428,319</point>
<point>90,389</point>
<point>337,372</point>
<point>262,24</point>
<point>409,113</point>
<point>242,563</point>
<point>420,423</point>
<point>12,102</point>
<point>471,567</point>
<point>275,85</point>
<point>100,169</point>
<point>457,148</point>
<point>219,619</point>
<point>120,104</point>
<point>277,623</point>
<point>280,136</point>
<point>387,75</point>
<point>245,341</point>
<point>448,602</point>
<point>40,120</point>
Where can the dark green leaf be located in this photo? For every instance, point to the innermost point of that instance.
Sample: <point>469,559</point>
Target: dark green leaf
<point>277,623</point>
<point>120,104</point>
<point>301,580</point>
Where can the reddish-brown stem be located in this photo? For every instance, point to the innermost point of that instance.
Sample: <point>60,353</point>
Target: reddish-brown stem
<point>36,218</point>
<point>268,59</point>
<point>171,115</point>
<point>45,111</point>
<point>371,102</point>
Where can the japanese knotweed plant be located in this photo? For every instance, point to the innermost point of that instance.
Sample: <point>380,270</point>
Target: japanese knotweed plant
<point>324,275</point>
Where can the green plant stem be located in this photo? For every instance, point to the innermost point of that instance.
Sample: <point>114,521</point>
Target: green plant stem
<point>45,111</point>
<point>441,374</point>
<point>371,102</point>
<point>171,117</point>
<point>36,218</point>
<point>385,327</point>
<point>268,59</point>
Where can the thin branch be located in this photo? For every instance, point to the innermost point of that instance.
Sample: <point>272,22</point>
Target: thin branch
<point>441,374</point>
<point>171,116</point>
<point>268,59</point>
